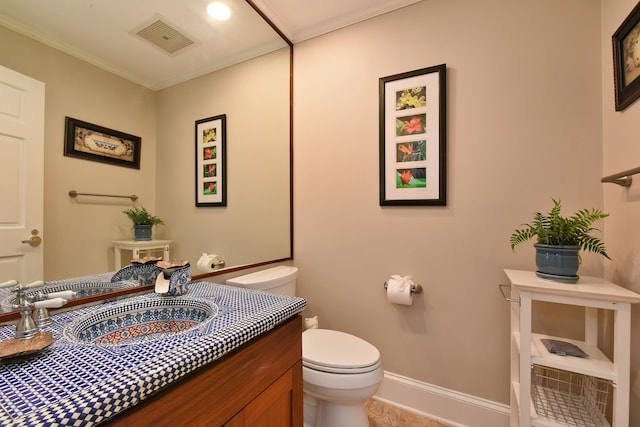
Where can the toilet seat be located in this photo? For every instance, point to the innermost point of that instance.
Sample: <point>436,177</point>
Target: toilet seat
<point>338,352</point>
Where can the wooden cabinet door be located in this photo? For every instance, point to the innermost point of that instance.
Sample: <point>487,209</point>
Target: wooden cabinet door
<point>273,408</point>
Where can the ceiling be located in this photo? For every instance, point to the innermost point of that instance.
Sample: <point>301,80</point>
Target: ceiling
<point>103,32</point>
<point>304,19</point>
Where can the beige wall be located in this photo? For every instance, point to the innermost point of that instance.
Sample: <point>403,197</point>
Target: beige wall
<point>78,232</point>
<point>621,136</point>
<point>524,126</point>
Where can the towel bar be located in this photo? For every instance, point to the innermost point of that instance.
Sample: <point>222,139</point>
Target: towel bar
<point>74,193</point>
<point>622,178</point>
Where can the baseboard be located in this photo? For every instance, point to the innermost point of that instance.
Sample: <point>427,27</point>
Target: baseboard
<point>441,404</point>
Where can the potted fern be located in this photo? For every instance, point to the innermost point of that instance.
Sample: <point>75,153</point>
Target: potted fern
<point>559,241</point>
<point>143,222</point>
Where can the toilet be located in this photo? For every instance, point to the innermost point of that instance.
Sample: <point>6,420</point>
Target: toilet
<point>340,372</point>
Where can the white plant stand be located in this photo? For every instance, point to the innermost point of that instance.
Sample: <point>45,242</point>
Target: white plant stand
<point>527,349</point>
<point>138,246</point>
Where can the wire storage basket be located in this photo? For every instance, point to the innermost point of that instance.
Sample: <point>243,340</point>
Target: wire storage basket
<point>568,397</point>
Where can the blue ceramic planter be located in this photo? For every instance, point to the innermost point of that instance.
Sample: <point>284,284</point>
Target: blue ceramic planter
<point>558,263</point>
<point>142,232</point>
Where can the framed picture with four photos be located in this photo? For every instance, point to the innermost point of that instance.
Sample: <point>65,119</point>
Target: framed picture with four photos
<point>211,156</point>
<point>413,142</point>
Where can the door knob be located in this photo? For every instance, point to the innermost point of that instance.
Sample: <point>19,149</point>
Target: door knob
<point>34,240</point>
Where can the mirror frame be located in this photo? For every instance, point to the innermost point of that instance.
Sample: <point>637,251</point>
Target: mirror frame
<point>110,296</point>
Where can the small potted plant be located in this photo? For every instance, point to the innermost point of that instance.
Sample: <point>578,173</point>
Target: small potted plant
<point>559,241</point>
<point>143,222</point>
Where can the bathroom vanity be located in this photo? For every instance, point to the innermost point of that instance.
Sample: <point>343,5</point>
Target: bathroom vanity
<point>242,366</point>
<point>258,384</point>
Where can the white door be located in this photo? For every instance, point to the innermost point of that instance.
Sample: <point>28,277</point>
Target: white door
<point>21,176</point>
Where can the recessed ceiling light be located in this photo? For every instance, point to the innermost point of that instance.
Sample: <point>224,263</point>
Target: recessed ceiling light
<point>219,11</point>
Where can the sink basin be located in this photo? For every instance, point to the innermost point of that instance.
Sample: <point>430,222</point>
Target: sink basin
<point>140,321</point>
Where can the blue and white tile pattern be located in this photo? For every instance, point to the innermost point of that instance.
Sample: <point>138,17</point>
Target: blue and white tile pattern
<point>77,384</point>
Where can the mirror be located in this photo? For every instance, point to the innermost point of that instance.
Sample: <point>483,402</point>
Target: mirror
<point>254,94</point>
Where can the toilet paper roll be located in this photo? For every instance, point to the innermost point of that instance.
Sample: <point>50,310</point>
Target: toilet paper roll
<point>207,263</point>
<point>399,290</point>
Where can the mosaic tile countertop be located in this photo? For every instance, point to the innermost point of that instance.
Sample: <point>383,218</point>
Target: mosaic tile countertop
<point>78,384</point>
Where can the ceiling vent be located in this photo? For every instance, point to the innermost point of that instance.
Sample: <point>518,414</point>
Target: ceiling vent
<point>164,36</point>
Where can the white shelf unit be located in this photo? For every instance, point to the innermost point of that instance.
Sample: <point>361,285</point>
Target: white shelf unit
<point>137,247</point>
<point>527,349</point>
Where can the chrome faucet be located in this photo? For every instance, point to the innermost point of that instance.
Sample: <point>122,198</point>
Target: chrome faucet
<point>30,324</point>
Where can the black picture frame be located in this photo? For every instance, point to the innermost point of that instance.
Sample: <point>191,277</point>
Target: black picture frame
<point>211,161</point>
<point>89,141</point>
<point>626,60</point>
<point>413,138</point>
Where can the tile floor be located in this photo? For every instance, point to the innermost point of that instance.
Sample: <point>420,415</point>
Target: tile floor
<point>383,415</point>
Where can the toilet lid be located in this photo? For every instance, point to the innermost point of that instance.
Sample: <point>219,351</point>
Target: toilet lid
<point>335,351</point>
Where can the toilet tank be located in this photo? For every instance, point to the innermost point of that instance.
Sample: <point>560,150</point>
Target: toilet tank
<point>277,280</point>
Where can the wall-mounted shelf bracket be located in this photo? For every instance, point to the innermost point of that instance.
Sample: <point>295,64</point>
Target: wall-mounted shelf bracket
<point>622,178</point>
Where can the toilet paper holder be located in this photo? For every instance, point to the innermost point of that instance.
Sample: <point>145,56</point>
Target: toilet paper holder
<point>415,288</point>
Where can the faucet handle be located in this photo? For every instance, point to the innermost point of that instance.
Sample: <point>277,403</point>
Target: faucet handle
<point>41,316</point>
<point>8,284</point>
<point>50,303</point>
<point>33,284</point>
<point>62,294</point>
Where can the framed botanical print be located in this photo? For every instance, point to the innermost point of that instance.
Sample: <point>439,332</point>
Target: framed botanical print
<point>211,155</point>
<point>413,165</point>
